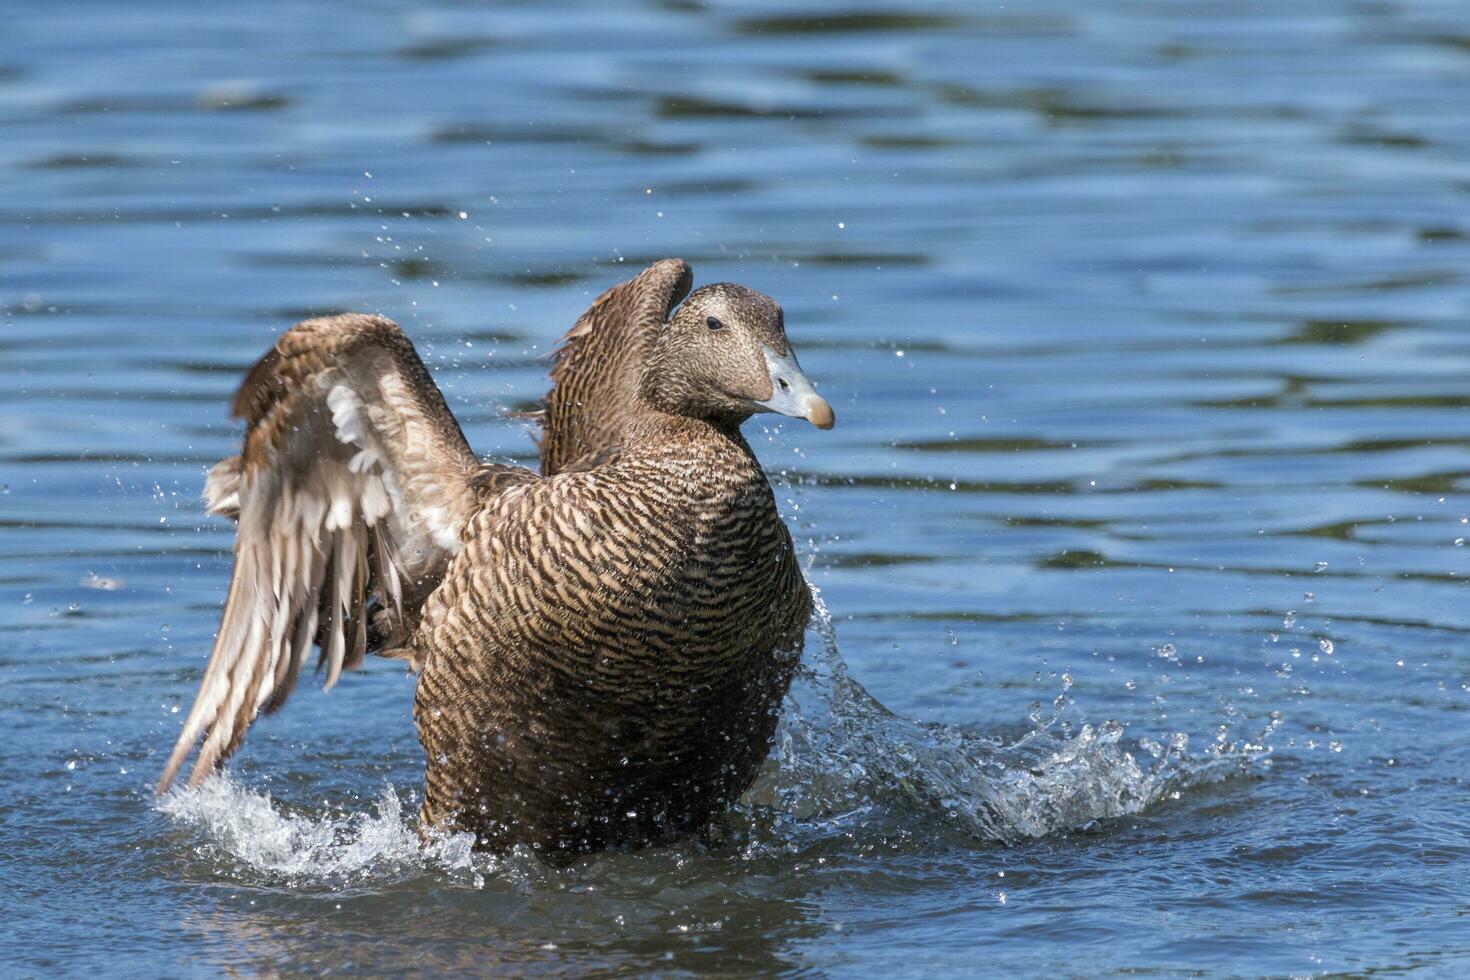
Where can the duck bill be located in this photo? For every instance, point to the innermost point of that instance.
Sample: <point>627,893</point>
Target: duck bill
<point>792,394</point>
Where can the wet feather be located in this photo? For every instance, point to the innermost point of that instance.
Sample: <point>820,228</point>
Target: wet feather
<point>602,648</point>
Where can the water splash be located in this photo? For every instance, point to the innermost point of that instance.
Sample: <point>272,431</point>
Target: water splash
<point>840,750</point>
<point>247,827</point>
<point>839,756</point>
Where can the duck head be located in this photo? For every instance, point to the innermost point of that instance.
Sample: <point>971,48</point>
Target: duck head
<point>723,356</point>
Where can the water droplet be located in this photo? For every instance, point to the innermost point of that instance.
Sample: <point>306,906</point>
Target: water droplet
<point>94,581</point>
<point>1289,620</point>
<point>1320,566</point>
<point>1325,645</point>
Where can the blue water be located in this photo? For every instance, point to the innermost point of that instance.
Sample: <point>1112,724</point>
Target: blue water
<point>1141,531</point>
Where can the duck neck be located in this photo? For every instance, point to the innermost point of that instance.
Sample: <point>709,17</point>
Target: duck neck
<point>710,439</point>
<point>677,404</point>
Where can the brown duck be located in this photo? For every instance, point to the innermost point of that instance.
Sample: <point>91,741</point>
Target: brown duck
<point>602,649</point>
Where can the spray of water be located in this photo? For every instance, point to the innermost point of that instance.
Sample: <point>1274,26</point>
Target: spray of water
<point>840,750</point>
<point>840,757</point>
<point>246,827</point>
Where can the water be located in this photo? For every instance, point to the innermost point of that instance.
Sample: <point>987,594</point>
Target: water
<point>1142,529</point>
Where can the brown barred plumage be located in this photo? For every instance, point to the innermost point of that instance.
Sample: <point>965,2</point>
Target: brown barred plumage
<point>603,648</point>
<point>594,378</point>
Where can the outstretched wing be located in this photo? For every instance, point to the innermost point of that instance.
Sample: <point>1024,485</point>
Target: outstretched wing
<point>594,380</point>
<point>351,494</point>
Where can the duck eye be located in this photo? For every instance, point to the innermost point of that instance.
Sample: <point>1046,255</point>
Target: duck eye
<point>713,323</point>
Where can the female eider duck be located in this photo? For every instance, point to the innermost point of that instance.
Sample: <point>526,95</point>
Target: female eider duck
<point>602,649</point>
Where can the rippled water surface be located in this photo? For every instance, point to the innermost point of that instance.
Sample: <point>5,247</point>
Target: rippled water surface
<point>1142,530</point>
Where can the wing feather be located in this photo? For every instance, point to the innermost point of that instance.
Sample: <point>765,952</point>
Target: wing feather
<point>354,485</point>
<point>594,377</point>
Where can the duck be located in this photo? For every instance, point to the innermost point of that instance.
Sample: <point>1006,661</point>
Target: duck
<point>602,645</point>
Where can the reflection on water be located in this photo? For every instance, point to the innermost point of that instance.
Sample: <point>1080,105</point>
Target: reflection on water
<point>1145,323</point>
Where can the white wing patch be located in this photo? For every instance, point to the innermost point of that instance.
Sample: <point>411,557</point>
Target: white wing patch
<point>348,411</point>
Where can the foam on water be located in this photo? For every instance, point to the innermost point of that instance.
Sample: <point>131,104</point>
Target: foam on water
<point>839,755</point>
<point>246,826</point>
